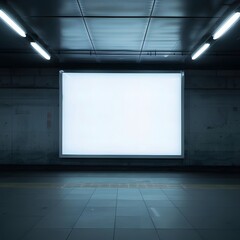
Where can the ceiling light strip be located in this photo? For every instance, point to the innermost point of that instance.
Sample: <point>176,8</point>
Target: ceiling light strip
<point>200,51</point>
<point>11,23</point>
<point>226,25</point>
<point>40,50</point>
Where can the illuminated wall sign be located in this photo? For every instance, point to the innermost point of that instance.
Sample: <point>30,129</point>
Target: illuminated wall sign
<point>121,114</point>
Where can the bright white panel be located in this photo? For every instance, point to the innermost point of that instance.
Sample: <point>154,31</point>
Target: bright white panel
<point>121,114</point>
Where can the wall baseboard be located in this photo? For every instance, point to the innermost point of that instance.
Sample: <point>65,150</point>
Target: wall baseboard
<point>226,169</point>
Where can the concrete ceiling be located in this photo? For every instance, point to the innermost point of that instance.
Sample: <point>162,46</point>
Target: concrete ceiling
<point>87,33</point>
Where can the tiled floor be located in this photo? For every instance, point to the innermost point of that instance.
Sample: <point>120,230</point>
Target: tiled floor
<point>119,206</point>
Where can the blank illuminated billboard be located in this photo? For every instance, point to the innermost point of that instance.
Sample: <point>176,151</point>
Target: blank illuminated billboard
<point>121,114</point>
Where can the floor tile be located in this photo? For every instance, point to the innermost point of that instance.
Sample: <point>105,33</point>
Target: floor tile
<point>104,196</point>
<point>106,191</point>
<point>133,211</point>
<point>189,203</point>
<point>134,222</point>
<point>96,218</point>
<point>95,222</point>
<point>213,222</point>
<point>152,192</point>
<point>168,218</point>
<point>138,234</point>
<point>219,234</point>
<point>215,217</point>
<point>71,210</point>
<point>130,203</point>
<point>101,203</point>
<point>14,227</point>
<point>78,196</point>
<point>58,221</point>
<point>71,203</point>
<point>159,203</point>
<point>47,234</point>
<point>178,234</point>
<point>129,194</point>
<point>155,197</point>
<point>91,234</point>
<point>129,197</point>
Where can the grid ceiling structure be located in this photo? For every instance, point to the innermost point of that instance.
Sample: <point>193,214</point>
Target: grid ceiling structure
<point>127,32</point>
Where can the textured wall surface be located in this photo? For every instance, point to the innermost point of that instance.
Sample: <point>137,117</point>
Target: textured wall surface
<point>212,118</point>
<point>29,120</point>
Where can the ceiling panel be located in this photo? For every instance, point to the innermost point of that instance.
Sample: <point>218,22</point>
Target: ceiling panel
<point>117,29</point>
<point>187,8</point>
<point>62,33</point>
<point>116,7</point>
<point>160,45</point>
<point>74,58</point>
<point>118,58</point>
<point>162,59</point>
<point>45,8</point>
<point>117,33</point>
<point>169,34</point>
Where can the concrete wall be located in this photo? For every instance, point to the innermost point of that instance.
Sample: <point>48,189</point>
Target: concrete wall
<point>29,119</point>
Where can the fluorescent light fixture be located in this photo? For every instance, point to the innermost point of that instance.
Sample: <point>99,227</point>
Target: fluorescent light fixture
<point>40,50</point>
<point>226,25</point>
<point>12,24</point>
<point>200,51</point>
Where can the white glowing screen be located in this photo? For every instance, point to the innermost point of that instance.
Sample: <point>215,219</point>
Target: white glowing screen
<point>117,114</point>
